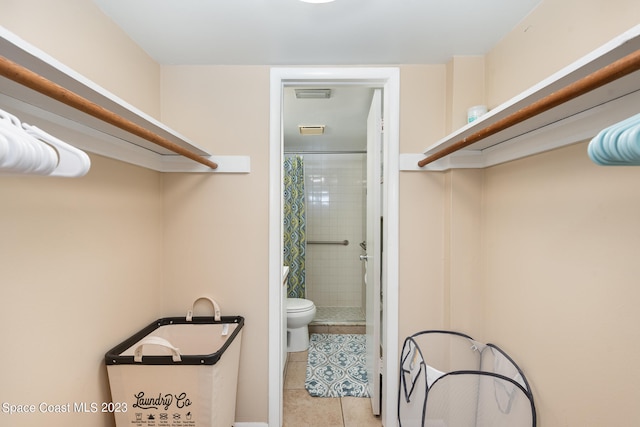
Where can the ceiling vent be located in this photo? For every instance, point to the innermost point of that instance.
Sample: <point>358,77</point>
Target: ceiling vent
<point>313,93</point>
<point>311,130</point>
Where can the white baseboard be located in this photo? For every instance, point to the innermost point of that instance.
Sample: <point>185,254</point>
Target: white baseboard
<point>250,425</point>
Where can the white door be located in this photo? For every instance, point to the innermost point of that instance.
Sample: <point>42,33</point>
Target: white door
<point>373,256</point>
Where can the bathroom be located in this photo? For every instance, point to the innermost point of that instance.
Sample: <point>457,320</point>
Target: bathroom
<point>325,220</point>
<point>326,139</point>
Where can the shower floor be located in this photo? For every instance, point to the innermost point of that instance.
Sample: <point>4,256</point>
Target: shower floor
<point>339,316</point>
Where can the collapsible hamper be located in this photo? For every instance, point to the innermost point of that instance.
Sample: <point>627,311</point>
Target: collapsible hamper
<point>447,379</point>
<point>178,371</point>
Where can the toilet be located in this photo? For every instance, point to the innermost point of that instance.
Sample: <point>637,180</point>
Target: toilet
<point>300,312</point>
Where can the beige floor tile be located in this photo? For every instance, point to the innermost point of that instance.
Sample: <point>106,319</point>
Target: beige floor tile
<point>298,356</point>
<point>295,376</point>
<point>302,410</point>
<point>318,329</point>
<point>346,329</point>
<point>357,413</point>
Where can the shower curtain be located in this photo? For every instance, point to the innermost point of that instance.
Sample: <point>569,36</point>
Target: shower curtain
<point>294,229</point>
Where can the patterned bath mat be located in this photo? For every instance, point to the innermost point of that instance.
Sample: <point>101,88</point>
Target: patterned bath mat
<point>336,366</point>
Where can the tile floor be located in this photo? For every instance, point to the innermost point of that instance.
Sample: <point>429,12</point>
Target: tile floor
<point>302,410</point>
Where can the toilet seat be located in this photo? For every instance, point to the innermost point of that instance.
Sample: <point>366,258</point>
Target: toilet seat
<point>299,305</point>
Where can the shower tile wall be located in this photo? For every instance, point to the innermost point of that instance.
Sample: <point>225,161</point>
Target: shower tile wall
<point>335,191</point>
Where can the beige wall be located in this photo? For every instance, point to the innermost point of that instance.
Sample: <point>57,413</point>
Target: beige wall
<point>79,261</point>
<point>77,34</point>
<point>554,35</point>
<point>557,239</point>
<point>217,226</point>
<point>421,215</point>
<point>560,283</point>
<point>80,258</point>
<point>465,89</point>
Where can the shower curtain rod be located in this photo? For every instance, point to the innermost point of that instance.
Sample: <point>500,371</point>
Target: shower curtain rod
<point>34,81</point>
<point>606,74</point>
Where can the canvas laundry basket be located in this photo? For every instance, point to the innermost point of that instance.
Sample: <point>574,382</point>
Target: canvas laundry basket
<point>178,371</point>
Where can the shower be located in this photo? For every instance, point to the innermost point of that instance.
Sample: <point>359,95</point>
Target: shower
<point>335,227</point>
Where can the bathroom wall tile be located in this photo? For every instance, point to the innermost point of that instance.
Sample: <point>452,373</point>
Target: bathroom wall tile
<point>335,194</point>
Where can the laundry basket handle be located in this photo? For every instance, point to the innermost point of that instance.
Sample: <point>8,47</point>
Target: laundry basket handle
<point>216,309</point>
<point>153,340</point>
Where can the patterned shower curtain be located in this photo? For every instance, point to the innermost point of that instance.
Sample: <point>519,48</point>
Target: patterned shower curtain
<point>294,225</point>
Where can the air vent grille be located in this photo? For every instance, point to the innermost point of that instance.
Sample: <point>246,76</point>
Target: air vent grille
<point>311,130</point>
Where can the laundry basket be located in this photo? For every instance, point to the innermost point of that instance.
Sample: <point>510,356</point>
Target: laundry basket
<point>447,379</point>
<point>178,371</point>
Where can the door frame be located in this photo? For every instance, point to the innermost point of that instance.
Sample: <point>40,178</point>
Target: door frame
<point>373,252</point>
<point>388,79</point>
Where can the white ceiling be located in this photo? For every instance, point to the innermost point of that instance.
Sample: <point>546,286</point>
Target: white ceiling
<point>290,32</point>
<point>344,116</point>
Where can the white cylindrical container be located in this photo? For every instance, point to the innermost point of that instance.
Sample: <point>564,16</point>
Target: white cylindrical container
<point>476,112</point>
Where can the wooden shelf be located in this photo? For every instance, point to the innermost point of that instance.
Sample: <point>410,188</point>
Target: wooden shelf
<point>91,134</point>
<point>574,121</point>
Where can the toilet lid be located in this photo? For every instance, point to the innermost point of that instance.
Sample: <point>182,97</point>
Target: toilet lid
<point>295,305</point>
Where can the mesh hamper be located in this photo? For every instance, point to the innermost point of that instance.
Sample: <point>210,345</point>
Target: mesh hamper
<point>178,371</point>
<point>447,379</point>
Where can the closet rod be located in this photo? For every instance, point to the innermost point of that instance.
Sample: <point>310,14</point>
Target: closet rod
<point>28,78</point>
<point>606,74</point>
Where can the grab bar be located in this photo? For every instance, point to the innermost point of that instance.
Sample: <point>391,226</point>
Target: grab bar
<point>328,242</point>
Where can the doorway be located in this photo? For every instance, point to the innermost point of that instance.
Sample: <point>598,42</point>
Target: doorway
<point>387,80</point>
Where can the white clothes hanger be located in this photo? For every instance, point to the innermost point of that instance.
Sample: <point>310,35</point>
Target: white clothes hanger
<point>617,145</point>
<point>20,152</point>
<point>25,149</point>
<point>72,162</point>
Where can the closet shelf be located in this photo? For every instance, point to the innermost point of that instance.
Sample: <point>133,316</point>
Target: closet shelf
<point>92,134</point>
<point>573,121</point>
